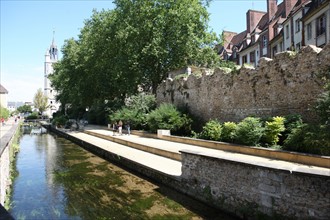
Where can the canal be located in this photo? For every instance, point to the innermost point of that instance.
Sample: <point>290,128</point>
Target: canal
<point>56,179</point>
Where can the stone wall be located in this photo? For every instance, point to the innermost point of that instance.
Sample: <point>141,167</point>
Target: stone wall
<point>256,192</point>
<point>289,83</point>
<point>5,148</point>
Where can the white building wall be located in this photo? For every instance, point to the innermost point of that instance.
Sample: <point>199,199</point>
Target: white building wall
<point>3,100</point>
<point>297,33</point>
<point>313,22</point>
<point>287,34</point>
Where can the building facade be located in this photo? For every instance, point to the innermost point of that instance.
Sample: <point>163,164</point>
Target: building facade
<point>51,57</point>
<point>285,26</point>
<point>3,97</point>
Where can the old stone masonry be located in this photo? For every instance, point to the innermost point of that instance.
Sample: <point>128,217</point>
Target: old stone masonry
<point>289,83</point>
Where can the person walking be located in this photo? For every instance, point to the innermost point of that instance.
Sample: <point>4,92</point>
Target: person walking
<point>120,127</point>
<point>128,127</point>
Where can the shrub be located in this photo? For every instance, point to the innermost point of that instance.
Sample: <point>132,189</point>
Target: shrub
<point>166,116</point>
<point>228,131</point>
<point>4,113</point>
<point>60,121</point>
<point>249,131</point>
<point>211,131</point>
<point>273,130</point>
<point>32,116</point>
<point>291,122</point>
<point>323,106</point>
<point>314,139</point>
<point>136,119</point>
<point>135,111</point>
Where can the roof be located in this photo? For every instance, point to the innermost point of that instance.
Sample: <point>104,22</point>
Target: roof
<point>3,90</point>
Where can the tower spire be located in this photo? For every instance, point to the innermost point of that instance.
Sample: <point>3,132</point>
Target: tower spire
<point>53,48</point>
<point>53,42</point>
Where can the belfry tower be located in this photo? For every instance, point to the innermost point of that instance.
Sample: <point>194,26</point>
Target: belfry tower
<point>51,57</point>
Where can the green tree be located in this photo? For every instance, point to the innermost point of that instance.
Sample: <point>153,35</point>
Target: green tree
<point>4,113</point>
<point>24,109</point>
<point>135,45</point>
<point>40,101</point>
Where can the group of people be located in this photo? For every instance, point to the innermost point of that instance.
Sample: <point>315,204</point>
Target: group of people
<point>118,127</point>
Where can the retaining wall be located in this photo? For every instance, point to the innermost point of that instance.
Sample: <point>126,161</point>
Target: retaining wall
<point>5,147</point>
<point>253,191</point>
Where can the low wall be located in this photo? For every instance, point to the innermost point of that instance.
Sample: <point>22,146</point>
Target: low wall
<point>308,159</point>
<point>5,145</point>
<point>254,192</point>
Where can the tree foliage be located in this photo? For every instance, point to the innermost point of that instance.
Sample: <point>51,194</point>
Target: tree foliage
<point>40,101</point>
<point>4,112</point>
<point>24,109</point>
<point>133,46</point>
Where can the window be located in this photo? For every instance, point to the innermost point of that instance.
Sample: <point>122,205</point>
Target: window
<point>287,32</point>
<point>274,50</point>
<point>309,31</point>
<point>234,52</point>
<point>264,41</point>
<point>244,59</point>
<point>320,25</point>
<point>252,57</point>
<point>297,25</point>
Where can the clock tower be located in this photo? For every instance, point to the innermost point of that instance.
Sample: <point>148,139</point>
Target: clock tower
<point>51,57</point>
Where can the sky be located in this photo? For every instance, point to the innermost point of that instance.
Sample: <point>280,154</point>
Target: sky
<point>27,29</point>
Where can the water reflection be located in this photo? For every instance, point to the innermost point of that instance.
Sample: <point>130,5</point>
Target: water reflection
<point>60,180</point>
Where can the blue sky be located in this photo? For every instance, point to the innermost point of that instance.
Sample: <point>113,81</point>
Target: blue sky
<point>27,31</point>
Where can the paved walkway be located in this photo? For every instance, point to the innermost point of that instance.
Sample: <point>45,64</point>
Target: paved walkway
<point>6,127</point>
<point>174,167</point>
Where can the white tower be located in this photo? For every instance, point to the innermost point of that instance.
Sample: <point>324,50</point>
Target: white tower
<point>51,57</point>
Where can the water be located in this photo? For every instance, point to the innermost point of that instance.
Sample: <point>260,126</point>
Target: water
<point>56,179</point>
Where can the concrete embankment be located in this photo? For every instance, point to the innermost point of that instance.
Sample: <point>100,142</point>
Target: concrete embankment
<point>245,185</point>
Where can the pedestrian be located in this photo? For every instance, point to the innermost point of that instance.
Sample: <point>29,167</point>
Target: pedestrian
<point>120,127</point>
<point>128,127</point>
<point>2,121</point>
<point>114,128</point>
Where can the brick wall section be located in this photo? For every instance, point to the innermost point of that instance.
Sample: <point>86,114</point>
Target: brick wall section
<point>251,191</point>
<point>289,83</point>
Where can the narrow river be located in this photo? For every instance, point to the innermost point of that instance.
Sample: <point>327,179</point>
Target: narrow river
<point>56,179</point>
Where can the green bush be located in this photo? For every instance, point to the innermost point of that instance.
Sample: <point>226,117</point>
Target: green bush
<point>314,139</point>
<point>249,131</point>
<point>323,106</point>
<point>137,119</point>
<point>60,121</point>
<point>32,116</point>
<point>211,131</point>
<point>228,132</point>
<point>273,130</point>
<point>166,116</point>
<point>135,111</point>
<point>4,113</point>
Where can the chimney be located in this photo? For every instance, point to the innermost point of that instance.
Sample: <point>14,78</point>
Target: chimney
<point>271,8</point>
<point>288,4</point>
<point>252,19</point>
